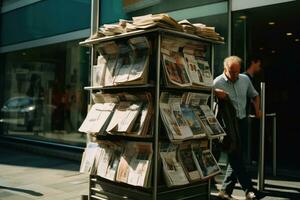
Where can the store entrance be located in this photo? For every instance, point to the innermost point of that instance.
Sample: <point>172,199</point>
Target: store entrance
<point>272,33</point>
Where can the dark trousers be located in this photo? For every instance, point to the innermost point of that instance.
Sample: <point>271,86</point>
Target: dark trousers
<point>236,170</point>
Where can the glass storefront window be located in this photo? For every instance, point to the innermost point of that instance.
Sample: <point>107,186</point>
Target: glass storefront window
<point>43,96</point>
<point>43,19</point>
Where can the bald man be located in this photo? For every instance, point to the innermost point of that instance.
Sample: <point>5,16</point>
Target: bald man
<point>237,87</point>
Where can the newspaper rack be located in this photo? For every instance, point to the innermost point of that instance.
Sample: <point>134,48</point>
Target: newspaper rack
<point>100,188</point>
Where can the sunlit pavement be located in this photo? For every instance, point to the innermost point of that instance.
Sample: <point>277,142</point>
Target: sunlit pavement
<point>26,176</point>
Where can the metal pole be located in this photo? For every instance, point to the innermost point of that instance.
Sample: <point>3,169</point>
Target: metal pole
<point>94,17</point>
<point>274,147</point>
<point>245,43</point>
<point>212,63</point>
<point>94,29</point>
<point>261,163</point>
<point>229,27</point>
<point>156,131</point>
<point>274,144</point>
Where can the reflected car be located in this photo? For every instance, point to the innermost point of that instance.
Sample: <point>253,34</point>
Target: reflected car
<point>20,112</point>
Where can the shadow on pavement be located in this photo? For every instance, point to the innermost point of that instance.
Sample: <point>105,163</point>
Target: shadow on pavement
<point>14,157</point>
<point>30,192</point>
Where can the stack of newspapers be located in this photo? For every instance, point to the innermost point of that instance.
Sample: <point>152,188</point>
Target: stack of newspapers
<point>123,63</point>
<point>161,20</point>
<point>185,63</point>
<point>126,162</point>
<point>119,114</point>
<point>187,163</point>
<point>187,116</point>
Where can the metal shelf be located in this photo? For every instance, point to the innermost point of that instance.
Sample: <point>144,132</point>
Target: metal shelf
<point>142,32</point>
<point>186,89</point>
<point>126,137</point>
<point>119,87</point>
<point>115,37</point>
<point>105,189</point>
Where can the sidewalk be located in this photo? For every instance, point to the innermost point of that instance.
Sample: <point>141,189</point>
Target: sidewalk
<point>27,176</point>
<point>276,188</point>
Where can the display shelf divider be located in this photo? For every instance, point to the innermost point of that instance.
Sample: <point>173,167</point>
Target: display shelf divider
<point>186,89</point>
<point>125,137</point>
<point>144,86</point>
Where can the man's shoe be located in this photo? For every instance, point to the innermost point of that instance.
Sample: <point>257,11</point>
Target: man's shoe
<point>250,196</point>
<point>224,195</point>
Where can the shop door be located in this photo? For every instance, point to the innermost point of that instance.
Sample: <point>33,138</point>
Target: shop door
<point>272,33</point>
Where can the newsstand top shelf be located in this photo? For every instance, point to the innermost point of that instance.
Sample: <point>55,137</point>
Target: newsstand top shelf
<point>90,42</point>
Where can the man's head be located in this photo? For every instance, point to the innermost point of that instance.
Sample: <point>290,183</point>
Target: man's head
<point>254,65</point>
<point>232,67</point>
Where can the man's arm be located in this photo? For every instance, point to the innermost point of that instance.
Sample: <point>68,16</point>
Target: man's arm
<point>253,94</point>
<point>221,94</point>
<point>256,104</point>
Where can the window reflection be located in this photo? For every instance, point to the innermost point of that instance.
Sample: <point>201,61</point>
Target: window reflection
<point>43,93</point>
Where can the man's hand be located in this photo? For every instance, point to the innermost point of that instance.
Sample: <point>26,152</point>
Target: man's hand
<point>258,114</point>
<point>221,94</point>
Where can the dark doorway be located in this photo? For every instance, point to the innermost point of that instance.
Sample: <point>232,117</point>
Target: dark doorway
<point>273,33</point>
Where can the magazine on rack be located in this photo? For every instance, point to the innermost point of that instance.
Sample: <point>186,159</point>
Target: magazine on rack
<point>122,63</point>
<point>142,123</point>
<point>205,71</point>
<point>89,161</point>
<point>176,71</point>
<point>97,118</point>
<point>214,129</point>
<point>135,164</point>
<point>195,99</point>
<point>194,70</point>
<point>184,63</point>
<point>196,50</point>
<point>205,161</point>
<point>184,126</point>
<point>124,117</point>
<point>140,60</point>
<point>99,72</point>
<point>110,69</point>
<point>170,45</point>
<point>188,163</point>
<point>171,114</point>
<point>198,68</point>
<point>108,51</point>
<point>107,48</point>
<point>173,172</point>
<point>132,115</point>
<point>196,125</point>
<point>109,159</point>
